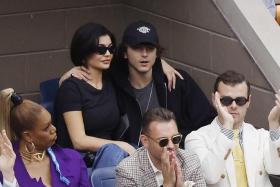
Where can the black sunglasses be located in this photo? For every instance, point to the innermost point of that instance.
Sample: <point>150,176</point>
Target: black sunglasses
<point>227,101</point>
<point>102,49</point>
<point>176,139</point>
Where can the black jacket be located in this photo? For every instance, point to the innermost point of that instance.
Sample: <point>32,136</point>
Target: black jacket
<point>189,104</point>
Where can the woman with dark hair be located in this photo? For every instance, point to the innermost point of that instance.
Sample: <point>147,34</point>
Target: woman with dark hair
<point>39,162</point>
<point>87,112</point>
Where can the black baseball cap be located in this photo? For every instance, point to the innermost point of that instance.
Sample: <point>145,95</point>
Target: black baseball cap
<point>140,32</point>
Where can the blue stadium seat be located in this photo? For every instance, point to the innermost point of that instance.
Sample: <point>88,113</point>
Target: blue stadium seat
<point>103,177</point>
<point>48,90</point>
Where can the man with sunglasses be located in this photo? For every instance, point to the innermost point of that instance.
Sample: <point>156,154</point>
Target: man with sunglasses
<point>160,162</point>
<point>234,153</point>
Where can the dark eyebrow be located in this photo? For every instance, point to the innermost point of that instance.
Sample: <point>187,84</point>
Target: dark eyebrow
<point>105,45</point>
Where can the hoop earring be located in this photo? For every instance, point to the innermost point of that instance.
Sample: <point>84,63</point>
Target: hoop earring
<point>33,148</point>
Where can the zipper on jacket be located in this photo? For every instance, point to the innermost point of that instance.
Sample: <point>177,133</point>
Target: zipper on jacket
<point>138,144</point>
<point>165,95</point>
<point>126,121</point>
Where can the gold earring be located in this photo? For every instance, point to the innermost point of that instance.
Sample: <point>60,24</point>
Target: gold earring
<point>33,147</point>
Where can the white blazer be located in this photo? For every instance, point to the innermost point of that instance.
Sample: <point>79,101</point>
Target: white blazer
<point>214,150</point>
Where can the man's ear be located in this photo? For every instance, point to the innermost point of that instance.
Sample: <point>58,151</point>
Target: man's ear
<point>144,140</point>
<point>125,55</point>
<point>249,100</point>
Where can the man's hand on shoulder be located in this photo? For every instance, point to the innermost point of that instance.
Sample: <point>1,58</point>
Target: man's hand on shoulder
<point>79,72</point>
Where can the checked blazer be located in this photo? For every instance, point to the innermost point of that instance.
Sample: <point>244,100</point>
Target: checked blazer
<point>136,170</point>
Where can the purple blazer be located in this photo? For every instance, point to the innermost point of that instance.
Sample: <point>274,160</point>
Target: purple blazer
<point>71,164</point>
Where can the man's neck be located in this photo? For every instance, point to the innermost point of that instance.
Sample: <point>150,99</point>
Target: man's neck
<point>154,161</point>
<point>139,80</point>
<point>237,126</point>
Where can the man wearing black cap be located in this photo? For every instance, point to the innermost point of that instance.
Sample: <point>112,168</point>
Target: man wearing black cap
<point>142,85</point>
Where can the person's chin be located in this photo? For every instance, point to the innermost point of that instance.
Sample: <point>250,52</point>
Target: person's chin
<point>144,69</point>
<point>105,66</point>
<point>52,142</point>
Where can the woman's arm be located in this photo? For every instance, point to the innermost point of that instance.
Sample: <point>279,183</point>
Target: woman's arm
<point>81,72</point>
<point>170,74</point>
<point>82,142</point>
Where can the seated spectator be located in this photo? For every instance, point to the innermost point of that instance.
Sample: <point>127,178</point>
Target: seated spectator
<point>39,162</point>
<point>160,161</point>
<point>88,116</point>
<point>140,77</point>
<point>234,153</point>
<point>7,161</point>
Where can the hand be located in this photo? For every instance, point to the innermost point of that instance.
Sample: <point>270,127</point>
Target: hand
<point>80,72</point>
<point>126,146</point>
<point>7,157</point>
<point>224,116</point>
<point>179,176</point>
<point>274,115</point>
<point>168,162</point>
<point>170,73</point>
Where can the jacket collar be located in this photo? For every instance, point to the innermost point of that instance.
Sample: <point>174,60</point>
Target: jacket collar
<point>229,164</point>
<point>249,148</point>
<point>149,176</point>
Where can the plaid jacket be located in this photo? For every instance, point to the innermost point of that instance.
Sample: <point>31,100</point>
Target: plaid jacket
<point>136,170</point>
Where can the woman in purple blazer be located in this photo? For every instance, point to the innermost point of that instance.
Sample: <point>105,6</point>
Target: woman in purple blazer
<point>39,163</point>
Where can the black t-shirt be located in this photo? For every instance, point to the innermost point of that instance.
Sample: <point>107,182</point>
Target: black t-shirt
<point>99,109</point>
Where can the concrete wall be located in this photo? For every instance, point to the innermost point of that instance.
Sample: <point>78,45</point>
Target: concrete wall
<point>198,39</point>
<point>35,37</point>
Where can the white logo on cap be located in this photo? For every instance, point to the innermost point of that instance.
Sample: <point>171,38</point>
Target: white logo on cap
<point>144,29</point>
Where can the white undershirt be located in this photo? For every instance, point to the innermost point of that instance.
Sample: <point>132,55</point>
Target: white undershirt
<point>158,173</point>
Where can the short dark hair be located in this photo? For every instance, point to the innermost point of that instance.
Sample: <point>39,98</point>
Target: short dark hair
<point>85,40</point>
<point>232,78</point>
<point>122,49</point>
<point>156,114</point>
